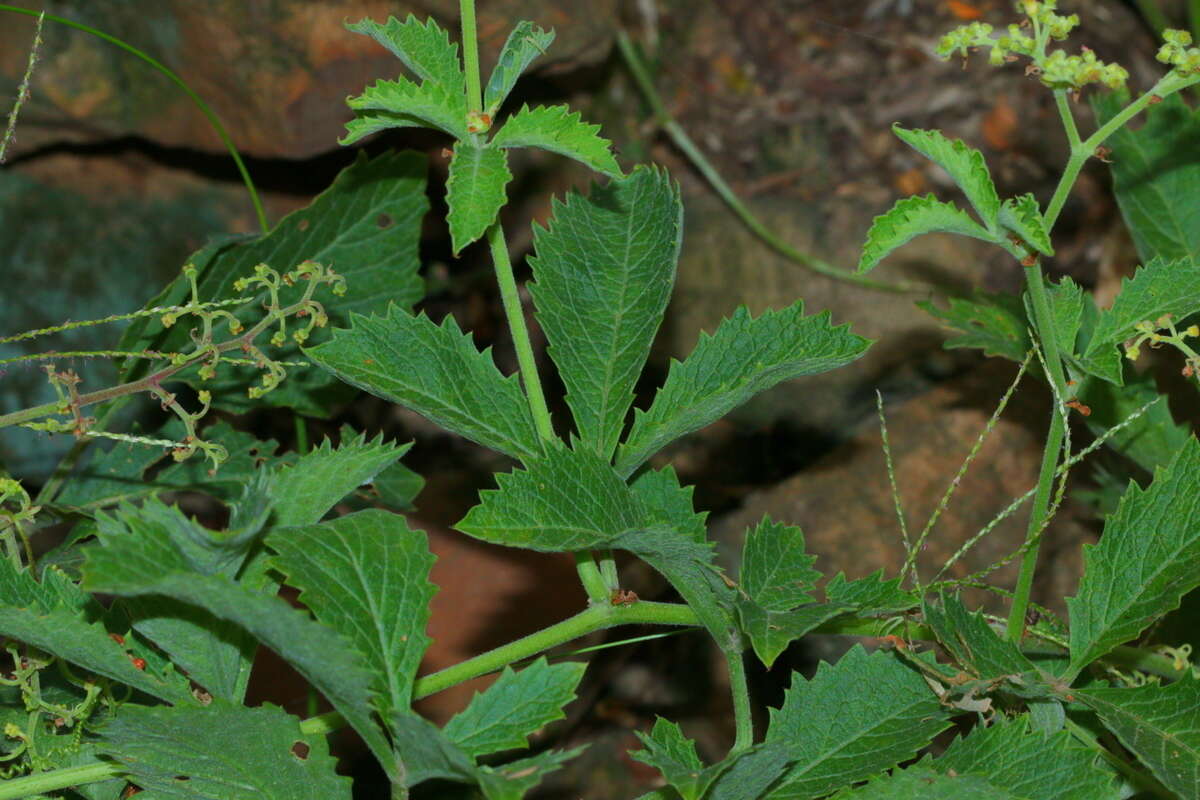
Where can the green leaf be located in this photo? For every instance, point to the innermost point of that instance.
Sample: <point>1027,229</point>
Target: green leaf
<point>1156,170</point>
<point>398,487</point>
<point>1027,763</point>
<point>559,130</point>
<point>305,491</point>
<point>870,595</point>
<point>565,500</point>
<point>525,43</point>
<point>910,218</point>
<point>994,323</point>
<point>410,105</point>
<point>744,357</point>
<point>437,372</point>
<point>1146,560</point>
<point>519,703</point>
<point>1154,438</point>
<point>512,780</point>
<point>854,719</point>
<point>1160,287</point>
<point>426,753</point>
<point>139,557</point>
<point>246,457</point>
<point>366,576</point>
<point>776,572</point>
<point>1161,724</point>
<point>674,755</point>
<point>964,164</point>
<point>1066,300</point>
<point>752,773</point>
<point>423,47</point>
<point>668,504</point>
<point>366,226</point>
<point>604,271</point>
<point>474,191</point>
<point>222,751</point>
<point>974,645</point>
<point>771,632</point>
<point>1023,216</point>
<point>921,783</point>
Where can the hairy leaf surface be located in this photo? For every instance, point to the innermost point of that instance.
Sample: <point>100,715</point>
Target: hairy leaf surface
<point>604,271</point>
<point>669,504</point>
<point>366,575</point>
<point>1146,560</point>
<point>423,47</point>
<point>854,719</point>
<point>872,594</point>
<point>1161,724</point>
<point>1027,763</point>
<point>525,43</point>
<point>519,703</point>
<point>305,491</point>
<point>771,632</point>
<point>146,561</point>
<point>776,572</point>
<point>744,357</point>
<point>174,752</point>
<point>973,643</point>
<point>1023,216</point>
<point>565,500</point>
<point>366,226</point>
<point>964,164</point>
<point>423,105</point>
<point>993,323</point>
<point>910,218</point>
<point>920,783</point>
<point>475,191</point>
<point>1158,288</point>
<point>674,755</point>
<point>559,130</point>
<point>512,780</point>
<point>1156,169</point>
<point>436,371</point>
<point>751,773</point>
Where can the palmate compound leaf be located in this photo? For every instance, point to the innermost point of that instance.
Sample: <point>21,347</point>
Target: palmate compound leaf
<point>744,357</point>
<point>1161,724</point>
<point>1155,174</point>
<point>1146,560</point>
<point>141,559</point>
<point>222,751</point>
<point>1027,763</point>
<point>910,218</point>
<point>423,47</point>
<point>436,371</point>
<point>854,719</point>
<point>365,575</point>
<point>964,164</point>
<point>503,716</point>
<point>303,492</point>
<point>366,226</point>
<point>559,130</point>
<point>564,500</point>
<point>603,275</point>
<point>674,755</point>
<point>407,105</point>
<point>1158,288</point>
<point>525,43</point>
<point>474,191</point>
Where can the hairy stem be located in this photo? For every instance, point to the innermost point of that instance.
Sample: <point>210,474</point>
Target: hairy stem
<point>743,719</point>
<point>470,46</point>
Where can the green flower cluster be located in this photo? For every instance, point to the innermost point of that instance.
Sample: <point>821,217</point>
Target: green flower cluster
<point>1178,52</point>
<point>1057,70</point>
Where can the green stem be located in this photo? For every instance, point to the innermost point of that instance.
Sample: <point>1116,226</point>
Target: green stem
<point>42,782</point>
<point>743,718</point>
<point>685,144</point>
<point>209,114</point>
<point>470,45</point>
